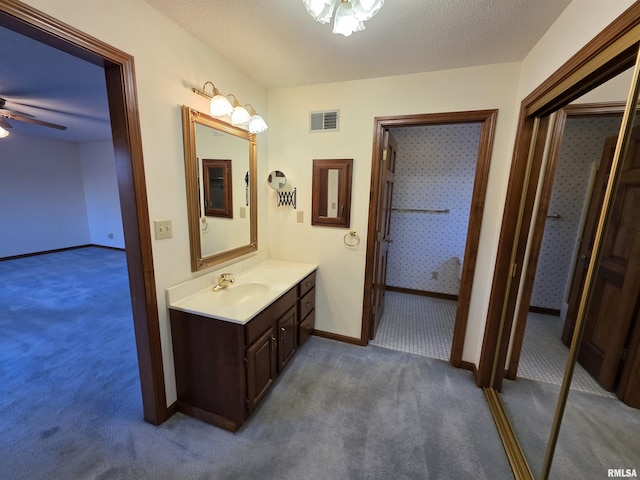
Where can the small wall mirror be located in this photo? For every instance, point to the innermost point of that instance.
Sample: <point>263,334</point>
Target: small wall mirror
<point>276,179</point>
<point>331,193</point>
<point>220,171</point>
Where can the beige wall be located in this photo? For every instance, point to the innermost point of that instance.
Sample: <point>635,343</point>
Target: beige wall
<point>169,61</point>
<point>292,148</point>
<point>580,22</point>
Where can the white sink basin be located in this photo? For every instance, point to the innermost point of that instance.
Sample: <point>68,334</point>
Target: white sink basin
<point>242,293</point>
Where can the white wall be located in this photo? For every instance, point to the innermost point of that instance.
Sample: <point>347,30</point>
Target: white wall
<point>101,193</point>
<point>340,284</point>
<point>42,196</point>
<point>168,63</point>
<point>580,22</point>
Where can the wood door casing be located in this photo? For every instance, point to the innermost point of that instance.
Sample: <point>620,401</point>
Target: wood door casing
<point>383,227</point>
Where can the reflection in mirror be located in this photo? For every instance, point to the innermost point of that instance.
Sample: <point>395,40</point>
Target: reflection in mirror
<point>276,179</point>
<point>331,193</point>
<point>218,188</point>
<point>222,216</point>
<point>560,274</point>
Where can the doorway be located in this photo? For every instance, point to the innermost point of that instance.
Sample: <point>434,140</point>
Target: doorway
<point>568,183</point>
<point>378,237</point>
<point>120,81</point>
<point>612,315</point>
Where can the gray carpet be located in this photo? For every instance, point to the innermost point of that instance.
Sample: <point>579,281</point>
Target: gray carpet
<point>71,409</point>
<point>597,433</point>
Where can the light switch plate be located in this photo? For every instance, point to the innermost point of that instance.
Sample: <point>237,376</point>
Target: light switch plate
<point>300,217</point>
<point>163,229</point>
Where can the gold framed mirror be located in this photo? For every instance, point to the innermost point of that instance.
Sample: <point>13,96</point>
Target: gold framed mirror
<point>609,55</point>
<point>214,239</point>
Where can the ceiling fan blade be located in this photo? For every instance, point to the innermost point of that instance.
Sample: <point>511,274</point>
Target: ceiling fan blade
<point>33,120</point>
<point>16,112</point>
<point>4,124</point>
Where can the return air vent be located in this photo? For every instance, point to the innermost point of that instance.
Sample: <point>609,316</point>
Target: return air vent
<point>327,121</point>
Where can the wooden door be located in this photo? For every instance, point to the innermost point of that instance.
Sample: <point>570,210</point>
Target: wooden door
<point>616,288</point>
<point>261,367</point>
<point>383,228</point>
<point>588,234</point>
<point>288,338</point>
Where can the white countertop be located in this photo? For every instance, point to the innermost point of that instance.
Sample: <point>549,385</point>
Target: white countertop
<point>275,276</point>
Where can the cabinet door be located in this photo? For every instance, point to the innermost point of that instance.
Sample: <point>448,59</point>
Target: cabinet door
<point>288,339</point>
<point>261,367</point>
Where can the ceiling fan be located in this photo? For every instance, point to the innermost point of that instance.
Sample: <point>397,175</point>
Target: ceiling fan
<point>6,113</point>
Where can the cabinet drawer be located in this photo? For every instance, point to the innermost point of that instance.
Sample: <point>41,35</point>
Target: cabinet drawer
<point>307,303</point>
<point>307,284</point>
<point>306,327</point>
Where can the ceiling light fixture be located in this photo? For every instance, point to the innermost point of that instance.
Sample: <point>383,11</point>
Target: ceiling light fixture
<point>350,14</point>
<point>221,106</point>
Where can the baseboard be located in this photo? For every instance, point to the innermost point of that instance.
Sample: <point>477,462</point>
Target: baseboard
<point>57,250</point>
<point>423,293</point>
<point>545,311</point>
<point>469,366</point>
<point>339,338</point>
<point>106,247</point>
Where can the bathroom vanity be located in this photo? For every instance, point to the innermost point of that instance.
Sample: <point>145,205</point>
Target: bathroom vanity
<point>230,346</point>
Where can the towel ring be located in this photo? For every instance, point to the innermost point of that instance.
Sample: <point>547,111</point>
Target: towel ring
<point>351,239</point>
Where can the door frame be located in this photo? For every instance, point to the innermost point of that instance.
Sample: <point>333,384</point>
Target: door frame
<point>585,110</point>
<point>127,143</point>
<point>488,120</point>
<point>606,55</point>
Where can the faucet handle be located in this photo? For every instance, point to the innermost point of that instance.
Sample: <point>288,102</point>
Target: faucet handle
<point>226,277</point>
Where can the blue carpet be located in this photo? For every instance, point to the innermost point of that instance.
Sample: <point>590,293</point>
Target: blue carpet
<point>71,408</point>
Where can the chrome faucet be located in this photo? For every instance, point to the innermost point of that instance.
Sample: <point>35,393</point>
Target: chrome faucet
<point>224,281</point>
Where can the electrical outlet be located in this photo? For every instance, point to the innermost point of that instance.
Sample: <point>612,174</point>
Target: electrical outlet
<point>434,275</point>
<point>300,217</point>
<point>163,229</point>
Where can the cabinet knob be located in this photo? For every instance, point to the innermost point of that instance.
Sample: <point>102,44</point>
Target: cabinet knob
<point>309,283</point>
<point>273,343</point>
<point>308,304</point>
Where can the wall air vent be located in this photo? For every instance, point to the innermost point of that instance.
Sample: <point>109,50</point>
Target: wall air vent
<point>327,121</point>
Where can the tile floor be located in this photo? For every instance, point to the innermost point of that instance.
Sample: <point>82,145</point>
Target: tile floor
<point>424,326</point>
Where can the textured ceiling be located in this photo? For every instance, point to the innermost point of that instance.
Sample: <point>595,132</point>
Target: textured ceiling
<point>278,44</point>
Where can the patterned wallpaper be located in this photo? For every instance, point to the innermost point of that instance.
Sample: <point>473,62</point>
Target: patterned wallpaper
<point>581,148</point>
<point>435,170</point>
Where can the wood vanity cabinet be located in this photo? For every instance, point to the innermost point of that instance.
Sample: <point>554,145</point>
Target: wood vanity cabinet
<point>306,307</point>
<point>224,369</point>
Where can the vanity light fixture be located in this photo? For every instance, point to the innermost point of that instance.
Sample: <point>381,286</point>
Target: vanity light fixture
<point>350,14</point>
<point>221,106</point>
<point>256,123</point>
<point>240,115</point>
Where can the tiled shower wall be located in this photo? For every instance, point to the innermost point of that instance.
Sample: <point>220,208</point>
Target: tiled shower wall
<point>581,148</point>
<point>435,170</point>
